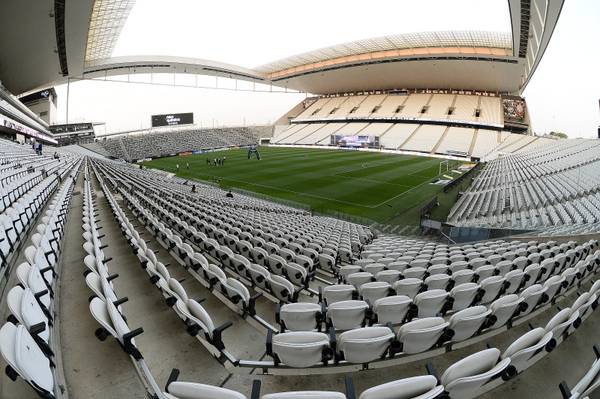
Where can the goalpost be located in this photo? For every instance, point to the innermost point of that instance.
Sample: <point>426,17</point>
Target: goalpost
<point>447,165</point>
<point>444,167</point>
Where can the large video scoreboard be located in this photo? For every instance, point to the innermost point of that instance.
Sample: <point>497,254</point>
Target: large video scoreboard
<point>355,141</point>
<point>173,119</point>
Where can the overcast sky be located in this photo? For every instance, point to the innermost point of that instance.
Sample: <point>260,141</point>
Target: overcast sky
<point>563,95</point>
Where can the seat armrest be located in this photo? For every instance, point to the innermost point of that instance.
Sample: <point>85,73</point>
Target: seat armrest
<point>172,378</point>
<point>217,335</point>
<point>130,348</point>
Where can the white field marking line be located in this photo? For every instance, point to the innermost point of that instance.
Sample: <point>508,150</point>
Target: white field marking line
<point>384,182</point>
<point>369,164</point>
<point>420,170</point>
<point>335,175</point>
<point>331,199</point>
<point>369,180</point>
<point>339,175</point>
<point>405,192</point>
<point>401,194</point>
<point>299,193</point>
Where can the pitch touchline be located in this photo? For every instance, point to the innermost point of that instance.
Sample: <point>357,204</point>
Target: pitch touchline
<point>298,193</point>
<point>401,194</point>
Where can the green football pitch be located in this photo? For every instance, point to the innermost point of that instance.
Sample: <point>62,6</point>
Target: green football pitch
<point>385,188</point>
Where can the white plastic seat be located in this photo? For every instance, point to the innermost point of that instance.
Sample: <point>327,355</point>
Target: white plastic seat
<point>191,390</point>
<point>570,276</point>
<point>359,278</point>
<point>408,286</point>
<point>522,351</point>
<point>420,335</point>
<point>32,278</point>
<point>504,308</point>
<point>373,291</point>
<point>26,309</point>
<point>386,260</point>
<point>23,355</point>
<point>422,387</point>
<point>514,279</point>
<point>465,378</point>
<point>583,304</point>
<point>492,286</point>
<point>467,322</point>
<point>484,272</point>
<point>398,265</point>
<point>259,275</point>
<point>533,271</point>
<point>422,263</point>
<point>299,316</point>
<point>392,309</point>
<point>464,295</point>
<point>338,292</point>
<point>437,281</point>
<point>415,272</point>
<point>362,262</point>
<point>346,270</point>
<point>295,273</point>
<point>374,268</point>
<point>388,276</point>
<point>553,286</point>
<point>281,288</point>
<point>459,265</point>
<point>532,296</point>
<point>300,348</point>
<point>236,291</point>
<point>463,276</point>
<point>503,267</point>
<point>562,321</point>
<point>346,315</point>
<point>520,262</point>
<point>437,270</point>
<point>363,345</point>
<point>430,302</point>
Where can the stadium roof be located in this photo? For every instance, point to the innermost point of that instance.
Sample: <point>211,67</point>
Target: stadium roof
<point>106,23</point>
<point>76,39</point>
<point>407,41</point>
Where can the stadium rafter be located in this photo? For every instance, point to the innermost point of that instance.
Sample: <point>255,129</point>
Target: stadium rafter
<point>92,28</point>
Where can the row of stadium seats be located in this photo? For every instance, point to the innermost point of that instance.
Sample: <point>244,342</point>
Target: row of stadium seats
<point>534,295</point>
<point>157,144</point>
<point>28,341</point>
<point>584,303</point>
<point>255,222</point>
<point>386,257</point>
<point>553,185</point>
<point>453,107</point>
<point>106,305</point>
<point>414,137</point>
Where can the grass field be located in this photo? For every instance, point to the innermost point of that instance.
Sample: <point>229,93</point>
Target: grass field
<point>381,187</point>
